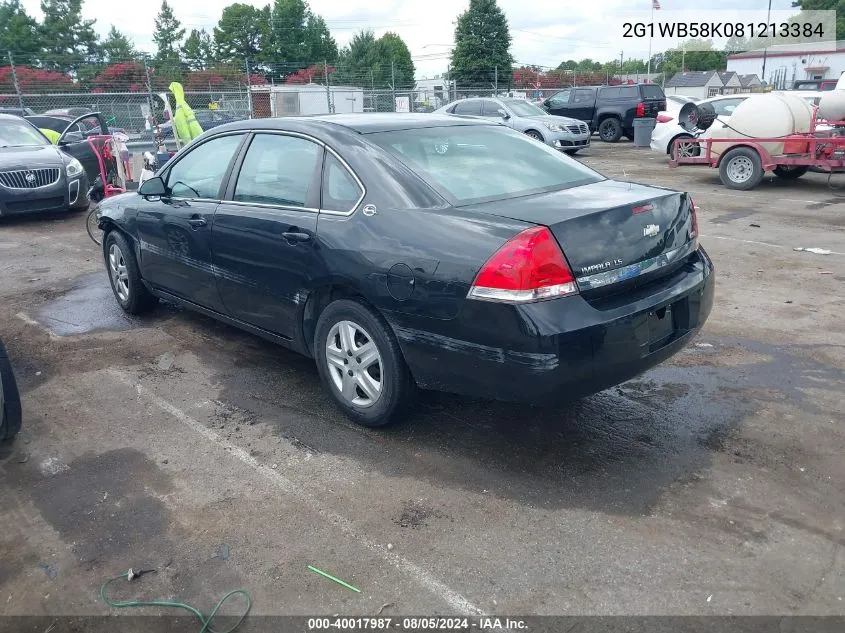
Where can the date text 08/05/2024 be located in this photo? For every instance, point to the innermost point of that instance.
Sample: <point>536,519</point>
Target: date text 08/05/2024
<point>814,30</point>
<point>482,623</point>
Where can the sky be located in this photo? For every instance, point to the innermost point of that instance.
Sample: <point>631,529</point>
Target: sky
<point>544,32</point>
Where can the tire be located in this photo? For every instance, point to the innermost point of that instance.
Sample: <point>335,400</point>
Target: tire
<point>10,403</point>
<point>535,135</point>
<point>341,322</point>
<point>610,130</point>
<point>741,168</point>
<point>571,152</point>
<point>788,172</point>
<point>694,150</point>
<point>124,275</point>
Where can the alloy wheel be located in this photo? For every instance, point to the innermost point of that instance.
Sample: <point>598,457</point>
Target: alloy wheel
<point>119,274</point>
<point>354,364</point>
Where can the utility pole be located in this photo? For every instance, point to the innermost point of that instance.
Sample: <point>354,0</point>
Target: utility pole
<point>766,48</point>
<point>683,57</point>
<point>496,81</point>
<point>328,87</point>
<point>17,85</point>
<point>248,88</point>
<point>393,82</point>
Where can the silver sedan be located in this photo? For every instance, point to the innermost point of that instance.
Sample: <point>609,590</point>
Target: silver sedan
<point>563,133</point>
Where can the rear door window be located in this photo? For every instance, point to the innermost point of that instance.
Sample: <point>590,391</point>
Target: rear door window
<point>278,170</point>
<point>583,96</point>
<point>726,107</point>
<point>610,93</point>
<point>470,107</point>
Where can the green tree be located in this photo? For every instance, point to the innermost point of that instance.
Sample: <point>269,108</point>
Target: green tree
<point>66,39</point>
<point>396,58</point>
<point>198,50</point>
<point>377,63</point>
<point>569,64</point>
<point>482,45</point>
<point>826,5</point>
<point>319,43</point>
<point>18,31</point>
<point>288,29</point>
<point>359,62</point>
<point>117,47</point>
<point>168,36</point>
<point>240,32</point>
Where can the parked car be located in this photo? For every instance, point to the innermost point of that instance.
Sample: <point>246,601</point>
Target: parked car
<point>207,119</point>
<point>35,175</point>
<point>405,250</point>
<point>568,135</point>
<point>814,84</point>
<point>667,129</point>
<point>69,112</point>
<point>73,133</point>
<point>10,401</point>
<point>16,111</point>
<point>608,110</point>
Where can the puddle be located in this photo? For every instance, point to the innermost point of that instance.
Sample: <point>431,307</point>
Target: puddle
<point>88,307</point>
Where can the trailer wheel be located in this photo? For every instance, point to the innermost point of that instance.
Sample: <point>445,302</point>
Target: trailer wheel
<point>790,172</point>
<point>741,168</point>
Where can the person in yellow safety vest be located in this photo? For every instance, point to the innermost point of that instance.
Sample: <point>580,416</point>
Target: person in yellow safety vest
<point>51,135</point>
<point>185,124</point>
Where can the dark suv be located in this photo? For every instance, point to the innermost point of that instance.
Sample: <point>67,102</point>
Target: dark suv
<point>610,110</point>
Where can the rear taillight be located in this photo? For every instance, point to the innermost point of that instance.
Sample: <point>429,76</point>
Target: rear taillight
<point>693,232</point>
<point>529,267</point>
<point>664,118</point>
<point>640,109</point>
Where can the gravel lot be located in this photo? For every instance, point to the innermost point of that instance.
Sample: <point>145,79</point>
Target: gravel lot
<point>711,485</point>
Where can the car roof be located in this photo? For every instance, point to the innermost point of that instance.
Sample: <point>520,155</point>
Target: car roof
<point>363,123</point>
<point>4,116</point>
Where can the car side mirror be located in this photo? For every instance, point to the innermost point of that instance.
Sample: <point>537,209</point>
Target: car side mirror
<point>503,113</point>
<point>152,187</point>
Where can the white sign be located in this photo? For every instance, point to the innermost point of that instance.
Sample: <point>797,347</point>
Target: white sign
<point>403,104</point>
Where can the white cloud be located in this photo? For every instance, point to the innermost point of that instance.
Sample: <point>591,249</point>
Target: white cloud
<point>544,33</point>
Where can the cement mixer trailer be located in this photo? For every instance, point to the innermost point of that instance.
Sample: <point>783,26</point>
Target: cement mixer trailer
<point>769,132</point>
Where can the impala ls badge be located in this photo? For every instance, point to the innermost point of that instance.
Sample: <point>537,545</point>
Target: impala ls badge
<point>651,230</point>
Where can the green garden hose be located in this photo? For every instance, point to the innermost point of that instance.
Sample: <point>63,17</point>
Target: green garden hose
<point>205,621</point>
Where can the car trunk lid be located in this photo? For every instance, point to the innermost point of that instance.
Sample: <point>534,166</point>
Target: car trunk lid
<point>610,231</point>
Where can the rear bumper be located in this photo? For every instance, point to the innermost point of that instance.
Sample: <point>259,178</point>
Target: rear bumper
<point>65,194</point>
<point>559,349</point>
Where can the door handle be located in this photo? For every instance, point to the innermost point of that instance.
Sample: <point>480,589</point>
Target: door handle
<point>296,236</point>
<point>197,222</point>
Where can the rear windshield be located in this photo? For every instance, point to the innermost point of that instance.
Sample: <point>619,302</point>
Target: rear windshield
<point>470,164</point>
<point>651,91</point>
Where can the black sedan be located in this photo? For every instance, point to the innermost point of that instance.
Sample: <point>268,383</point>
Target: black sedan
<point>35,175</point>
<point>405,251</point>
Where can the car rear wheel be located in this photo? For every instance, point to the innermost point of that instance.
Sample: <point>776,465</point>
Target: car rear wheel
<point>686,150</point>
<point>361,365</point>
<point>790,172</point>
<point>741,168</point>
<point>125,277</point>
<point>610,130</point>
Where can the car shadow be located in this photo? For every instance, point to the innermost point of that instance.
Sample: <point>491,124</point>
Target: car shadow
<point>614,452</point>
